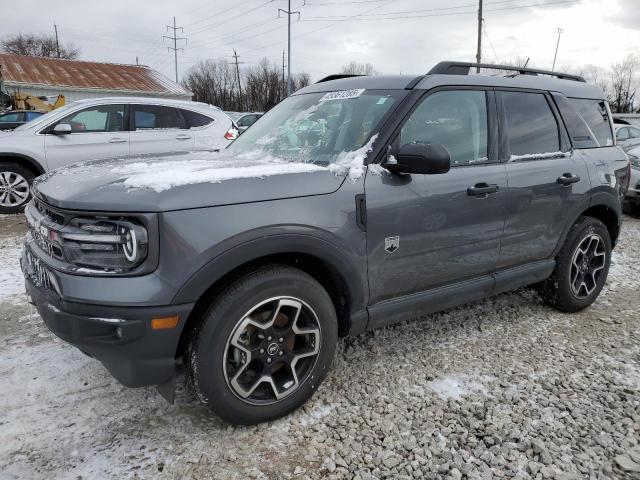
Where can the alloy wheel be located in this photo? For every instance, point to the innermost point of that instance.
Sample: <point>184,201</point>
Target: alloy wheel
<point>272,350</point>
<point>14,189</point>
<point>587,265</point>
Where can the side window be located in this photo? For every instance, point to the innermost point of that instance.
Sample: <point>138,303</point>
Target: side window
<point>595,114</point>
<point>247,120</point>
<point>634,132</point>
<point>32,115</point>
<point>456,119</point>
<point>194,119</point>
<point>531,127</point>
<point>102,118</point>
<point>11,117</point>
<point>155,117</point>
<point>622,134</point>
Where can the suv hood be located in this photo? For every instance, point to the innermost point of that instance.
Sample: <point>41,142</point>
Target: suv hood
<point>181,181</point>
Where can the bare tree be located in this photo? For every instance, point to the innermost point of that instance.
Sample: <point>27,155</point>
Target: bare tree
<point>34,45</point>
<point>624,84</point>
<point>357,68</point>
<point>214,82</point>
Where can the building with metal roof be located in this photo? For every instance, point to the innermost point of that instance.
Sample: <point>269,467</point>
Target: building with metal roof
<point>41,76</point>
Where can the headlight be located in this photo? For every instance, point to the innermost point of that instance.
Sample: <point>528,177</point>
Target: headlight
<point>105,244</point>
<point>635,161</point>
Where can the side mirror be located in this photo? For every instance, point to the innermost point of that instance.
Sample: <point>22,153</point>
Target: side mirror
<point>423,158</point>
<point>62,129</point>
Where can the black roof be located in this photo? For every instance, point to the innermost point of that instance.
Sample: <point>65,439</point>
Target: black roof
<point>569,85</point>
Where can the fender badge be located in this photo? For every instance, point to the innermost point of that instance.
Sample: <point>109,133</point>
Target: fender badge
<point>391,244</point>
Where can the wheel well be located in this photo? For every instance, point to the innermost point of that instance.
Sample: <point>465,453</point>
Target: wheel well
<point>26,162</point>
<point>607,216</point>
<point>323,273</point>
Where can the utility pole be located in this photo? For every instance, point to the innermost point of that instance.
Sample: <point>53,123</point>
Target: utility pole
<point>235,55</point>
<point>55,27</point>
<point>282,92</point>
<point>479,52</point>
<point>288,12</point>
<point>555,55</point>
<point>175,39</point>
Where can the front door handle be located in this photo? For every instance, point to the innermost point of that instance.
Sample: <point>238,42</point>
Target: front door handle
<point>482,189</point>
<point>183,137</point>
<point>117,140</point>
<point>568,179</point>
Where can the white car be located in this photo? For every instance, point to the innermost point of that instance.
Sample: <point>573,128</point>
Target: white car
<point>105,128</point>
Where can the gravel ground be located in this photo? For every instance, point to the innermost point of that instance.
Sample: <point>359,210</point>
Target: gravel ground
<point>503,388</point>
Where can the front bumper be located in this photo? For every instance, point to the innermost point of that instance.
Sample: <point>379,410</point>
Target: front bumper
<point>120,337</point>
<point>633,193</point>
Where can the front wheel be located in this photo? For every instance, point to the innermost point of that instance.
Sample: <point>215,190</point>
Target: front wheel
<point>582,266</point>
<point>264,346</point>
<point>15,183</point>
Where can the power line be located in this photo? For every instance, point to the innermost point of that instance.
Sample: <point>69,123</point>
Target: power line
<point>381,16</point>
<point>175,39</point>
<point>484,27</point>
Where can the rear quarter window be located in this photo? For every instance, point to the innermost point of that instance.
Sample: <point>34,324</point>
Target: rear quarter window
<point>596,115</point>
<point>195,119</point>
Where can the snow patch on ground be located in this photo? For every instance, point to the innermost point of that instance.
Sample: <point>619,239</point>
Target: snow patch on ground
<point>11,279</point>
<point>455,387</point>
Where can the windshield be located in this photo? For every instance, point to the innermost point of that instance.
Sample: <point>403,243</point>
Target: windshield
<point>317,127</point>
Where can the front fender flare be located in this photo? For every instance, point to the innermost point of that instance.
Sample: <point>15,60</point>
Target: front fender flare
<point>349,265</point>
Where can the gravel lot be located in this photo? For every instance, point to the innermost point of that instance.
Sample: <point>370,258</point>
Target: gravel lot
<point>503,388</point>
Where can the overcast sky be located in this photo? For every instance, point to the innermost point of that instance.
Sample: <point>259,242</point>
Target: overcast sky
<point>406,36</point>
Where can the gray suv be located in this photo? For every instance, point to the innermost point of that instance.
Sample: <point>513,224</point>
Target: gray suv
<point>356,203</point>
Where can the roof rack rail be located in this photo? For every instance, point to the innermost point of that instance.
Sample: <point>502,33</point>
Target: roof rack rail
<point>338,76</point>
<point>463,68</point>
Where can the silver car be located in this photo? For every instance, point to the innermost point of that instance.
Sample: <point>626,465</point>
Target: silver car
<point>627,136</point>
<point>632,199</point>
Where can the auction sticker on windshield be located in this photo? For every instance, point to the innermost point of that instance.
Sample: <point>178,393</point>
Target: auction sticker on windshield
<point>342,94</point>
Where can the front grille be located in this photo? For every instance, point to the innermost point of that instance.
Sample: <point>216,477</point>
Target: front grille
<point>42,221</point>
<point>38,273</point>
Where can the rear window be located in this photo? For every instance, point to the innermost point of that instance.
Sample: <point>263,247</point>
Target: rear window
<point>532,127</point>
<point>155,117</point>
<point>596,116</point>
<point>194,119</point>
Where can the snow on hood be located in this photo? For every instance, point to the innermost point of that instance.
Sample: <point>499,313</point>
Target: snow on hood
<point>207,168</point>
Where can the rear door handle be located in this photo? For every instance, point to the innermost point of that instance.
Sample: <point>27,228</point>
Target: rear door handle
<point>482,189</point>
<point>183,137</point>
<point>568,179</point>
<point>117,140</point>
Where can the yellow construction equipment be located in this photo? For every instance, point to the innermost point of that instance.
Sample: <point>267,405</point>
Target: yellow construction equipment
<point>20,101</point>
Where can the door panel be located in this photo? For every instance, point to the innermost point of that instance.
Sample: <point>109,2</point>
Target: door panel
<point>446,232</point>
<point>158,129</point>
<point>547,183</point>
<point>539,207</point>
<point>445,235</point>
<point>97,132</point>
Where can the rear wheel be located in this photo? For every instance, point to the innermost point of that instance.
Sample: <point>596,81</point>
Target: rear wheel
<point>582,266</point>
<point>264,346</point>
<point>15,185</point>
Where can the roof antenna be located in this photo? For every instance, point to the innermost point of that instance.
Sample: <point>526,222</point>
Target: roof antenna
<point>526,63</point>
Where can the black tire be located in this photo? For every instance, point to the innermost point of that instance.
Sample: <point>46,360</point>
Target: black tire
<point>209,354</point>
<point>558,290</point>
<point>13,170</point>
